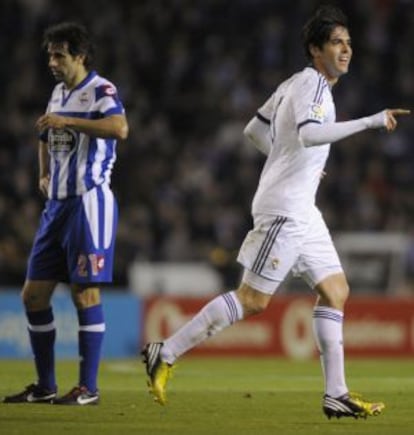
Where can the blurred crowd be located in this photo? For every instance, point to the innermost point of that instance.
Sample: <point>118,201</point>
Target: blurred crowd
<point>191,74</point>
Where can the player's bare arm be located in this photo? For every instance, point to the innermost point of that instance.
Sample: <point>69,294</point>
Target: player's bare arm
<point>44,175</point>
<point>114,126</point>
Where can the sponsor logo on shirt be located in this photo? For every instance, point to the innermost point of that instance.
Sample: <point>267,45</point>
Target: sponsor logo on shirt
<point>109,90</point>
<point>62,142</point>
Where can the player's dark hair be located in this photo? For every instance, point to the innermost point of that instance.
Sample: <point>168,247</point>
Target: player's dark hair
<point>76,36</point>
<point>317,30</point>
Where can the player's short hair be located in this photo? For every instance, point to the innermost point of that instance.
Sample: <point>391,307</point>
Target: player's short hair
<point>77,37</point>
<point>317,30</point>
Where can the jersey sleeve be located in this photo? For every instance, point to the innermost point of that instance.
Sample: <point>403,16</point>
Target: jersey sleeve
<point>43,135</point>
<point>264,113</point>
<point>307,97</point>
<point>258,132</point>
<point>107,100</point>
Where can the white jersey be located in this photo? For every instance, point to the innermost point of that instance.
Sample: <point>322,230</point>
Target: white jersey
<point>79,162</point>
<point>292,172</point>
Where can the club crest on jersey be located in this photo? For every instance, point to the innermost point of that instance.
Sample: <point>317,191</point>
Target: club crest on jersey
<point>316,112</point>
<point>275,263</point>
<point>84,98</point>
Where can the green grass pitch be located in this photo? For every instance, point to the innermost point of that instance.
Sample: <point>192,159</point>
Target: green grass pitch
<point>213,397</point>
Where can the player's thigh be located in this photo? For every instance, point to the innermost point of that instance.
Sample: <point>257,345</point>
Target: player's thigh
<point>270,250</point>
<point>90,243</point>
<point>47,260</point>
<point>318,258</point>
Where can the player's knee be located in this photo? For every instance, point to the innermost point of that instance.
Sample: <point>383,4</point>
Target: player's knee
<point>85,297</point>
<point>26,298</point>
<point>254,307</point>
<point>33,298</point>
<point>338,296</point>
<point>334,291</point>
<point>253,301</point>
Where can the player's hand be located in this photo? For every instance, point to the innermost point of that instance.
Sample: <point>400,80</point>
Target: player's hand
<point>44,184</point>
<point>51,120</point>
<point>391,117</point>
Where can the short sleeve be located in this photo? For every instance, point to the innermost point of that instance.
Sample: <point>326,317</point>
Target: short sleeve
<point>307,97</point>
<point>43,136</point>
<point>107,100</point>
<point>264,113</point>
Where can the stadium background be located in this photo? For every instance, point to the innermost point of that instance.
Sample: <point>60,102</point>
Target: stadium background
<point>191,73</point>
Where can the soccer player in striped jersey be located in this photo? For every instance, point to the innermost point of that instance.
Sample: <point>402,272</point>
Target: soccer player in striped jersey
<point>75,239</point>
<point>294,128</point>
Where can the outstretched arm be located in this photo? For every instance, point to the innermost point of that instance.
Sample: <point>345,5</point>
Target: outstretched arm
<point>313,134</point>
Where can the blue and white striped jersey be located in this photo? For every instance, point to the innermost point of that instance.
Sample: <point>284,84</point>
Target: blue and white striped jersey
<point>79,162</point>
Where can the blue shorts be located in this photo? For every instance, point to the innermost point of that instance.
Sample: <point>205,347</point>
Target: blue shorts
<point>75,240</point>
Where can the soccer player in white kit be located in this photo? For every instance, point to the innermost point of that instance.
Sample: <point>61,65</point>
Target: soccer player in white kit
<point>76,236</point>
<point>294,128</point>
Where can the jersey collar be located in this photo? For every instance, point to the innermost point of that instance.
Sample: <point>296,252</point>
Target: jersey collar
<point>311,66</point>
<point>91,75</point>
<point>85,81</point>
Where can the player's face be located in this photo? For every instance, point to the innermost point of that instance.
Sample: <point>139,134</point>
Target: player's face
<point>63,65</point>
<point>334,57</point>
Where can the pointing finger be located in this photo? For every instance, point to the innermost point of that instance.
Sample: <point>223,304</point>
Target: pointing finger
<point>400,111</point>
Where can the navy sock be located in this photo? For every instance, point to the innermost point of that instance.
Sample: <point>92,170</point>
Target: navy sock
<point>91,333</point>
<point>42,334</point>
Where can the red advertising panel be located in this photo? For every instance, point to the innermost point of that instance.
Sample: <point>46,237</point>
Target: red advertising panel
<point>373,327</point>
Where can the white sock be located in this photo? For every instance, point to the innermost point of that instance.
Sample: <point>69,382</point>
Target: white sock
<point>221,312</point>
<point>327,325</point>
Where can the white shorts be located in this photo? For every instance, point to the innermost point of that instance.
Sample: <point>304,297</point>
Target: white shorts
<point>277,245</point>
